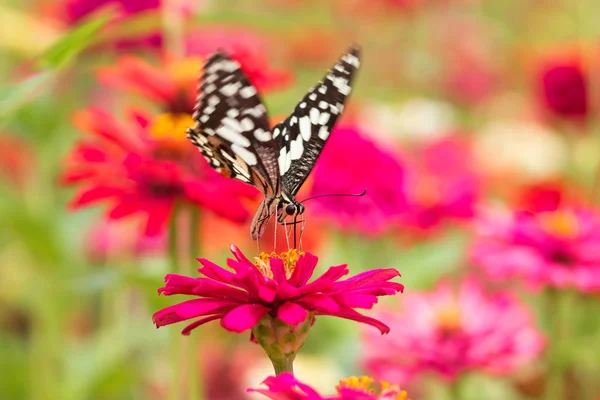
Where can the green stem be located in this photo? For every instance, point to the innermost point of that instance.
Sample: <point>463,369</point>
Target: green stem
<point>560,308</point>
<point>283,365</point>
<point>455,389</point>
<point>196,389</point>
<point>176,349</point>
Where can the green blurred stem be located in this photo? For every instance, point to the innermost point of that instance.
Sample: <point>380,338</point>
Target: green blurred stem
<point>45,343</point>
<point>560,303</point>
<point>177,356</point>
<point>283,365</point>
<point>455,389</point>
<point>196,389</point>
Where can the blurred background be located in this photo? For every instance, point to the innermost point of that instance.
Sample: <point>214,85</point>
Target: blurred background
<point>472,125</point>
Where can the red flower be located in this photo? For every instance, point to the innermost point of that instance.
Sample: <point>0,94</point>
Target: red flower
<point>139,168</point>
<point>563,87</point>
<point>275,285</point>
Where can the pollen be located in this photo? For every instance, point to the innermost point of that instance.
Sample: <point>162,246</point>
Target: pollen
<point>562,224</point>
<point>289,258</point>
<point>368,386</point>
<point>171,126</point>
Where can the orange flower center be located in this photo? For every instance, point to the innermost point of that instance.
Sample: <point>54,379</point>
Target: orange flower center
<point>448,319</point>
<point>171,126</point>
<point>366,384</point>
<point>289,258</point>
<point>427,191</point>
<point>562,224</point>
<point>186,70</point>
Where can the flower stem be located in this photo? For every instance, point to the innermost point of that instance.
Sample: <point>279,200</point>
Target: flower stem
<point>560,306</point>
<point>283,365</point>
<point>195,387</point>
<point>176,350</point>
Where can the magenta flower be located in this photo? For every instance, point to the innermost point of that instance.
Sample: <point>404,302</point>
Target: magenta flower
<point>277,285</point>
<point>557,248</point>
<point>287,387</point>
<point>563,86</point>
<point>441,185</point>
<point>450,332</point>
<point>351,163</point>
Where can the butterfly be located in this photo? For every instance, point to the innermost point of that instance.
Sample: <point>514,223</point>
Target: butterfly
<point>233,134</point>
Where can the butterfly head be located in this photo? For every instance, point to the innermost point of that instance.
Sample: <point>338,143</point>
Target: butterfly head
<point>289,208</point>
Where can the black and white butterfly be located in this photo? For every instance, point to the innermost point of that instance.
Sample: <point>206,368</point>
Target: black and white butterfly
<point>232,132</point>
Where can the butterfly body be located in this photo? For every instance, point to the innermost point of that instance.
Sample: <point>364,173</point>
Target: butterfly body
<point>232,132</point>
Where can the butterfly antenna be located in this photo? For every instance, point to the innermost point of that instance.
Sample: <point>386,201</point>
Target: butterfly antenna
<point>337,195</point>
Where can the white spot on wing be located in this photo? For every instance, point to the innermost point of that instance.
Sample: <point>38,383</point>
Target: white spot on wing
<point>305,128</point>
<point>234,137</point>
<point>314,115</point>
<point>262,135</point>
<point>324,133</point>
<point>342,85</point>
<point>244,154</point>
<point>247,124</point>
<point>323,105</point>
<point>324,118</point>
<point>247,92</point>
<point>296,148</point>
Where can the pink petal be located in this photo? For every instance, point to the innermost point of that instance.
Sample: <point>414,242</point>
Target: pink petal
<point>243,317</point>
<point>348,313</point>
<point>158,216</point>
<point>94,194</point>
<point>213,271</point>
<point>191,309</point>
<point>318,302</point>
<point>292,313</point>
<point>305,267</point>
<point>186,331</point>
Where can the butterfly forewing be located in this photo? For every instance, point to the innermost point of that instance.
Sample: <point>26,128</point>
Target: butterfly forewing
<point>232,129</point>
<point>301,137</point>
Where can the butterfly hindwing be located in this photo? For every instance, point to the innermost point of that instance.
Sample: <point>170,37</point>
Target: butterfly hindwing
<point>232,128</point>
<point>301,137</point>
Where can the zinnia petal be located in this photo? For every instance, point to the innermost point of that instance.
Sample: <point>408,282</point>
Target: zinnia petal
<point>292,313</point>
<point>243,317</point>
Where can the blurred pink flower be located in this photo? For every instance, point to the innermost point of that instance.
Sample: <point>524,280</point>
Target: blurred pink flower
<point>451,332</point>
<point>277,285</point>
<point>286,387</point>
<point>563,86</point>
<point>247,47</point>
<point>351,163</point>
<point>140,168</point>
<point>441,185</point>
<point>108,239</point>
<point>557,248</point>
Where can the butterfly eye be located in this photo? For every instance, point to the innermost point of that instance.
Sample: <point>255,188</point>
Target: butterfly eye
<point>290,209</point>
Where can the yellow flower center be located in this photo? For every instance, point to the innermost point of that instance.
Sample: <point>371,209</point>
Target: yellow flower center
<point>448,319</point>
<point>366,384</point>
<point>289,258</point>
<point>562,224</point>
<point>185,70</point>
<point>171,126</point>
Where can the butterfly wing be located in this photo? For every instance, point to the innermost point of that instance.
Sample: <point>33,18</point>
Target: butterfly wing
<point>232,128</point>
<point>301,137</point>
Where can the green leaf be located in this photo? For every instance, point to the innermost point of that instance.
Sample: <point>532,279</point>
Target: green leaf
<point>70,45</point>
<point>14,97</point>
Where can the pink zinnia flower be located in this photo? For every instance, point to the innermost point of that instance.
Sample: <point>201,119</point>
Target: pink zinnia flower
<point>351,163</point>
<point>563,86</point>
<point>287,387</point>
<point>556,248</point>
<point>140,168</point>
<point>275,285</point>
<point>441,185</point>
<point>451,332</point>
